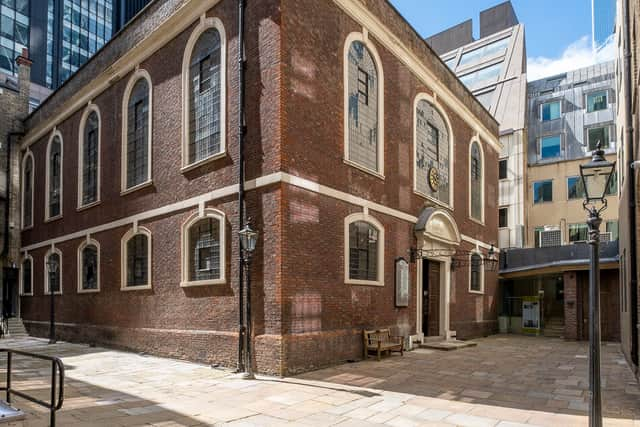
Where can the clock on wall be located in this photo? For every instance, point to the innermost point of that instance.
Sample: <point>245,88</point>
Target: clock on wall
<point>434,179</point>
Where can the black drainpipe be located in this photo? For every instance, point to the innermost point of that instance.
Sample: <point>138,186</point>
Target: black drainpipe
<point>241,133</point>
<point>631,186</point>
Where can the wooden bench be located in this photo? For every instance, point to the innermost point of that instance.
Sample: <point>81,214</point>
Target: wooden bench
<point>380,341</point>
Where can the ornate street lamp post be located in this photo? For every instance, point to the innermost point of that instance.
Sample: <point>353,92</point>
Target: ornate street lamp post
<point>596,177</point>
<point>52,266</point>
<point>248,239</point>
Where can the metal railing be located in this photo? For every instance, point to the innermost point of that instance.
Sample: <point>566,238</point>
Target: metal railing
<point>57,372</point>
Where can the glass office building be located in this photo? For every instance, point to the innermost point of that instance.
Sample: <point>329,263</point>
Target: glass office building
<point>603,18</point>
<point>14,32</point>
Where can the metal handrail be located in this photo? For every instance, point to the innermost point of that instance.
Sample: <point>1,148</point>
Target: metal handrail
<point>56,365</point>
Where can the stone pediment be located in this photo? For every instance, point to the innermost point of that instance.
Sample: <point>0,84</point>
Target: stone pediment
<point>437,225</point>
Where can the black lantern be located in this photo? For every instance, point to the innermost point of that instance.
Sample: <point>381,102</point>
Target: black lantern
<point>596,176</point>
<point>248,238</point>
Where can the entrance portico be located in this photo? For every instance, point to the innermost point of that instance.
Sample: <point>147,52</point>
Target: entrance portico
<point>437,238</point>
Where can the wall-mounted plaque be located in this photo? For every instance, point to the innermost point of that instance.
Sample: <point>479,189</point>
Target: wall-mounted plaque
<point>402,283</point>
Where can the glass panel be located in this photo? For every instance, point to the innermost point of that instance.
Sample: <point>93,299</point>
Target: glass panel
<point>432,152</point>
<point>363,251</point>
<point>55,177</point>
<point>90,160</point>
<point>138,134</point>
<point>90,267</point>
<point>503,217</point>
<point>578,233</point>
<point>138,260</point>
<point>204,99</point>
<point>596,135</point>
<point>575,188</point>
<point>363,107</point>
<point>485,52</point>
<point>550,111</point>
<point>542,191</point>
<point>26,276</point>
<point>204,240</point>
<point>612,190</point>
<point>476,265</point>
<point>550,147</point>
<point>476,182</point>
<point>597,101</point>
<point>483,77</point>
<point>612,227</point>
<point>502,171</point>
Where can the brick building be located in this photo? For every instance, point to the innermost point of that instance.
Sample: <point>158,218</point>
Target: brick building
<point>363,151</point>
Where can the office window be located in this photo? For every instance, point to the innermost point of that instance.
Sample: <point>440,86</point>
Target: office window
<point>575,188</point>
<point>578,233</point>
<point>432,143</point>
<point>612,227</point>
<point>612,189</point>
<point>597,101</point>
<point>363,107</point>
<point>485,52</point>
<point>598,135</point>
<point>550,146</point>
<point>550,111</point>
<point>503,217</point>
<point>483,77</point>
<point>543,191</point>
<point>502,169</point>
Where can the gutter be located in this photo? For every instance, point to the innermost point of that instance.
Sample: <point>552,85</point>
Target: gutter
<point>241,177</point>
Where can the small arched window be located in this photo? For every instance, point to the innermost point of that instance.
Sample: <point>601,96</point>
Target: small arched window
<point>137,128</point>
<point>203,249</point>
<point>363,101</point>
<point>364,243</point>
<point>53,281</point>
<point>476,274</point>
<point>26,276</point>
<point>432,148</point>
<point>27,190</point>
<point>136,260</point>
<point>89,266</point>
<point>53,193</point>
<point>204,93</point>
<point>89,158</point>
<point>476,193</point>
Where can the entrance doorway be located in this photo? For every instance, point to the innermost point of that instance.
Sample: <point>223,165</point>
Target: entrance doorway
<point>10,292</point>
<point>430,298</point>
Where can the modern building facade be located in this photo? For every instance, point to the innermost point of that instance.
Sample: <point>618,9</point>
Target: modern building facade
<point>365,203</point>
<point>603,19</point>
<point>494,69</point>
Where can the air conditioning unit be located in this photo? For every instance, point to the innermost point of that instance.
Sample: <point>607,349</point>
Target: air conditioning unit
<point>550,238</point>
<point>605,237</point>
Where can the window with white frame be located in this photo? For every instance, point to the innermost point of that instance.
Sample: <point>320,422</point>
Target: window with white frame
<point>27,190</point>
<point>26,276</point>
<point>598,135</point>
<point>476,273</point>
<point>578,233</point>
<point>54,177</point>
<point>137,131</point>
<point>204,85</point>
<point>364,255</point>
<point>136,259</point>
<point>53,280</point>
<point>476,188</point>
<point>432,145</point>
<point>89,266</point>
<point>203,249</point>
<point>597,101</point>
<point>550,111</point>
<point>363,89</point>
<point>89,159</point>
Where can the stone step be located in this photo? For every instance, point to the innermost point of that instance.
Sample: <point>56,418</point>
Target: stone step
<point>448,345</point>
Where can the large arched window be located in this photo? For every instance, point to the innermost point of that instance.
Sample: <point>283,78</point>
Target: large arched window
<point>53,193</point>
<point>203,249</point>
<point>26,276</point>
<point>136,260</point>
<point>364,250</point>
<point>432,150</point>
<point>89,158</point>
<point>137,113</point>
<point>53,281</point>
<point>204,81</point>
<point>363,105</point>
<point>89,266</point>
<point>27,190</point>
<point>476,180</point>
<point>476,273</point>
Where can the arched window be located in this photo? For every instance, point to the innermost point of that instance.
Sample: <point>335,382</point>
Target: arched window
<point>203,249</point>
<point>89,266</point>
<point>89,158</point>
<point>363,105</point>
<point>53,194</point>
<point>476,188</point>
<point>432,147</point>
<point>364,254</point>
<point>476,273</point>
<point>204,80</point>
<point>136,260</point>
<point>26,276</point>
<point>53,281</point>
<point>136,134</point>
<point>27,190</point>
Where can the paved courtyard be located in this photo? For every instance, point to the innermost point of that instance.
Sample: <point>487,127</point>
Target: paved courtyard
<point>505,381</point>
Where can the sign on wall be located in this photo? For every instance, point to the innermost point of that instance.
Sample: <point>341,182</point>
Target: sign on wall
<point>531,315</point>
<point>402,283</point>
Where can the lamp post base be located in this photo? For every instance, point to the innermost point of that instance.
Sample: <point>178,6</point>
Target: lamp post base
<point>245,376</point>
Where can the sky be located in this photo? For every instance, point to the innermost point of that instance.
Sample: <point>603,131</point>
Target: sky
<point>558,32</point>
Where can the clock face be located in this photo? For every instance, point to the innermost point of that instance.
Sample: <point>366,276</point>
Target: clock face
<point>434,179</point>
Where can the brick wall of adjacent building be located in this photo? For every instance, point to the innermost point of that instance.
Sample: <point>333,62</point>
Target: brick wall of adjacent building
<point>305,316</point>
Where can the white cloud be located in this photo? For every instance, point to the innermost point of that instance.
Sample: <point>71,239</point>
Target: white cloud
<point>578,54</point>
